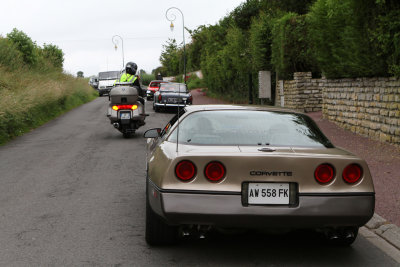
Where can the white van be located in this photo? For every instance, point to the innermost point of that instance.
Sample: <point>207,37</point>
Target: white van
<point>106,81</point>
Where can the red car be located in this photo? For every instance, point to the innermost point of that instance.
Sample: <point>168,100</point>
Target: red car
<point>152,88</point>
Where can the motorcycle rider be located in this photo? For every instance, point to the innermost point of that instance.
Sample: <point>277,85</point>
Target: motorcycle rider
<point>129,76</point>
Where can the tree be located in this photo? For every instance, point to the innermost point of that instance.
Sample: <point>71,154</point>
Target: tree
<point>170,58</point>
<point>79,74</point>
<point>53,54</point>
<point>25,45</point>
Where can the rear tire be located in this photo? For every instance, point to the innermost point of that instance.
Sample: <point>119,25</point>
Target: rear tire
<point>158,233</point>
<point>100,94</point>
<point>156,109</point>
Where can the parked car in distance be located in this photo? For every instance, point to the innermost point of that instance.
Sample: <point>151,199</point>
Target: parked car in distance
<point>172,95</point>
<point>94,82</point>
<point>153,87</point>
<point>251,167</point>
<point>106,81</point>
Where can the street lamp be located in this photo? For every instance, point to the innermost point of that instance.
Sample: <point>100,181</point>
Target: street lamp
<point>172,18</point>
<point>115,42</point>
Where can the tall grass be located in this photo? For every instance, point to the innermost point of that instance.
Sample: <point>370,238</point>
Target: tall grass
<point>29,99</point>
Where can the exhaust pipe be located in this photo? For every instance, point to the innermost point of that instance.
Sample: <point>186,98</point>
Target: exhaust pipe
<point>116,125</point>
<point>197,231</point>
<point>349,234</point>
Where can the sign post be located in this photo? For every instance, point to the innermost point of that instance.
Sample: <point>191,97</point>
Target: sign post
<point>264,85</point>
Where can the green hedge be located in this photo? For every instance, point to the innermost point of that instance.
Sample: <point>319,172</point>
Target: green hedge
<point>339,38</point>
<point>147,78</point>
<point>291,50</point>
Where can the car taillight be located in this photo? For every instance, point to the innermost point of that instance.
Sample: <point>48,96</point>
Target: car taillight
<point>324,173</point>
<point>185,170</point>
<point>352,173</point>
<point>118,107</point>
<point>214,171</point>
<point>159,98</point>
<point>190,99</point>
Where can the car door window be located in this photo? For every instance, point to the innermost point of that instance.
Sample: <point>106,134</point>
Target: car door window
<point>171,123</point>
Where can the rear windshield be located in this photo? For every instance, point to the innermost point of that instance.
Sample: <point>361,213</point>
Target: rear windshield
<point>244,127</point>
<point>174,87</point>
<point>154,84</point>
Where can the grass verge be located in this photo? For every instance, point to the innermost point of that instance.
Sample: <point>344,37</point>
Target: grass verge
<point>28,101</point>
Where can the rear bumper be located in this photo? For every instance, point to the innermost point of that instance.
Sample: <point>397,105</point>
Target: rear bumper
<point>105,90</point>
<point>226,210</point>
<point>171,105</point>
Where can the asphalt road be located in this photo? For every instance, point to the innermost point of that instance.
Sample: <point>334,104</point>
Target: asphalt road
<point>72,194</point>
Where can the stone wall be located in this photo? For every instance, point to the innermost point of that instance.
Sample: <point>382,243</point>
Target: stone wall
<point>302,93</point>
<point>367,106</point>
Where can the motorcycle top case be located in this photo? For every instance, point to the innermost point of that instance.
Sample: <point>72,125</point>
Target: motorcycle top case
<point>124,95</point>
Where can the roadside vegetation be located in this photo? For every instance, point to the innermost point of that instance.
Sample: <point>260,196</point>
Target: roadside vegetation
<point>146,78</point>
<point>33,87</point>
<point>334,38</point>
<point>194,82</point>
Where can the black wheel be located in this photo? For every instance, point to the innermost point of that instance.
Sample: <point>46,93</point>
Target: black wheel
<point>158,233</point>
<point>156,109</point>
<point>100,94</point>
<point>343,237</point>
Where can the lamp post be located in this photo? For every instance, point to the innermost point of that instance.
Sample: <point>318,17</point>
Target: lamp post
<point>115,42</point>
<point>171,19</point>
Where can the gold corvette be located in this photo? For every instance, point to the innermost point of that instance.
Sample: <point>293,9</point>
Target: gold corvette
<point>230,167</point>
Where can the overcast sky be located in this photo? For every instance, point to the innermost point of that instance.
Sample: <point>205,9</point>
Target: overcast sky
<point>83,29</point>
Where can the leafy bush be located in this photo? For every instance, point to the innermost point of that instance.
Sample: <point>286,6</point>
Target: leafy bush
<point>340,40</point>
<point>179,78</point>
<point>195,82</point>
<point>10,57</point>
<point>260,42</point>
<point>226,70</point>
<point>147,78</point>
<point>384,32</point>
<point>290,46</point>
<point>53,54</point>
<point>169,57</point>
<point>25,45</point>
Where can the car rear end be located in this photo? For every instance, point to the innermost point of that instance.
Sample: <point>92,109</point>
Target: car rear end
<point>245,187</point>
<point>151,89</point>
<point>173,99</point>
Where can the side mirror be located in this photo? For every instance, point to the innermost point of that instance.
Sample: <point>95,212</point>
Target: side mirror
<point>152,133</point>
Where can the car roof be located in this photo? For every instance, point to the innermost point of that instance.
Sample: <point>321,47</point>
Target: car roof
<point>194,108</point>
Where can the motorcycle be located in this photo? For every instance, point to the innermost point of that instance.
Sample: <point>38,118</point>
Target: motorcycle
<point>126,111</point>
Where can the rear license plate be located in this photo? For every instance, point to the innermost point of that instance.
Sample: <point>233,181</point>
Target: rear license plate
<point>268,193</point>
<point>125,116</point>
<point>173,100</point>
